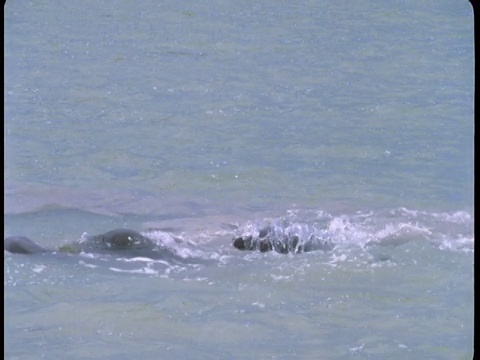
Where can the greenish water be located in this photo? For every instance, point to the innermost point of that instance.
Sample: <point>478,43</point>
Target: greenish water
<point>210,120</point>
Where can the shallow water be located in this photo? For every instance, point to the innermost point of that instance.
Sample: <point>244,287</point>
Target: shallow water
<point>195,123</point>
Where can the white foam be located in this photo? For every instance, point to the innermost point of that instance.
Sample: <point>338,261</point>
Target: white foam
<point>38,268</point>
<point>145,270</point>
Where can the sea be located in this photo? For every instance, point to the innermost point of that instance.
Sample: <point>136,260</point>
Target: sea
<point>195,122</point>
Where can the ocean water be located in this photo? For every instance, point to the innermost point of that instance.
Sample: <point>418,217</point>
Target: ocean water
<point>195,122</point>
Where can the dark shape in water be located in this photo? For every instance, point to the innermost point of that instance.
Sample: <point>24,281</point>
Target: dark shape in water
<point>23,245</point>
<point>117,240</point>
<point>268,239</point>
<point>130,243</point>
<point>125,242</point>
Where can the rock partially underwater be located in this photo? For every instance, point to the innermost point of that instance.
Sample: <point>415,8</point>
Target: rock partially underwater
<point>121,242</point>
<point>271,239</point>
<point>23,245</point>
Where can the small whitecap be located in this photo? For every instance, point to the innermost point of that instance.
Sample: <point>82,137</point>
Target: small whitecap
<point>357,348</point>
<point>38,268</point>
<point>260,305</point>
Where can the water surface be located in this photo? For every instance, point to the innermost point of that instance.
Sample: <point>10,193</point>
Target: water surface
<point>202,122</point>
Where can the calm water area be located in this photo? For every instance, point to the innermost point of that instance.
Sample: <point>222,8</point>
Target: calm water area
<point>195,122</point>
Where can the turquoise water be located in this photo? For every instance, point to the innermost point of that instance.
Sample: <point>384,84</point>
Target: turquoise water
<point>204,121</point>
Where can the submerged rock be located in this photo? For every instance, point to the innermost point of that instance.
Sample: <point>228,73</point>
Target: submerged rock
<point>23,245</point>
<point>126,242</point>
